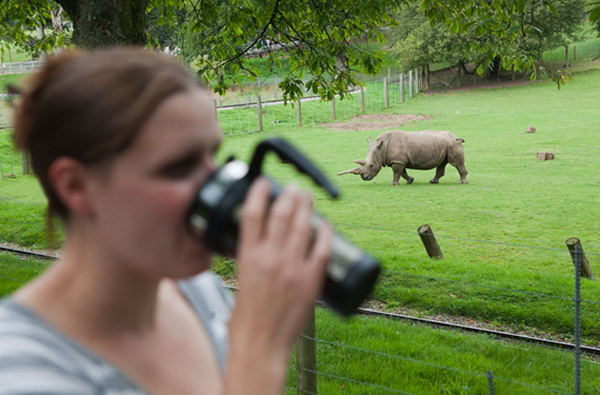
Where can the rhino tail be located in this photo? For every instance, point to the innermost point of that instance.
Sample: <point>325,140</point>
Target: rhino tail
<point>460,140</point>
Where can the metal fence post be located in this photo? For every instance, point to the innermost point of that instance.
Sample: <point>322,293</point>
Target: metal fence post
<point>490,378</point>
<point>577,254</point>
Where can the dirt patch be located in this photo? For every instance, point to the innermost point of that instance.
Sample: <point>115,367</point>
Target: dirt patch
<point>376,122</point>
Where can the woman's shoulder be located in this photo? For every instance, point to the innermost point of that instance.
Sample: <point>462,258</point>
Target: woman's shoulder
<point>208,290</point>
<point>34,357</point>
<point>213,303</point>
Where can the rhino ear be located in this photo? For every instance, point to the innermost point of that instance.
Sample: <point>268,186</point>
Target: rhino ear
<point>380,144</point>
<point>361,162</point>
<point>369,140</point>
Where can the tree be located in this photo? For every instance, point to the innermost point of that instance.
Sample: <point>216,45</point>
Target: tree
<point>532,30</point>
<point>417,43</point>
<point>511,26</point>
<point>322,40</point>
<point>594,13</point>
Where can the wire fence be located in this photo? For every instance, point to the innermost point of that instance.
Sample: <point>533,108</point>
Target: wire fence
<point>335,356</point>
<point>240,115</point>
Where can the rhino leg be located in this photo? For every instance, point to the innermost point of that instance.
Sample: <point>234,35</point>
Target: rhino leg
<point>408,178</point>
<point>457,159</point>
<point>462,170</point>
<point>439,173</point>
<point>399,171</point>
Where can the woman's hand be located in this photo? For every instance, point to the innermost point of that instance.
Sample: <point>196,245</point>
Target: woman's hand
<point>281,269</point>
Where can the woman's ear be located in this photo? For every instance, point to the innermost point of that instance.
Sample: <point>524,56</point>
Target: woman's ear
<point>70,180</point>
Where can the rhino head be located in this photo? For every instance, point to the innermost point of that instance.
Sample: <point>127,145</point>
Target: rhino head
<point>371,166</point>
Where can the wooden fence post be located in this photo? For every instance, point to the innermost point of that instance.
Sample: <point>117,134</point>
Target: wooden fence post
<point>25,164</point>
<point>578,255</point>
<point>386,101</point>
<point>402,88</point>
<point>333,109</point>
<point>362,99</point>
<point>431,245</point>
<point>410,84</point>
<point>306,359</point>
<point>299,112</point>
<point>260,121</point>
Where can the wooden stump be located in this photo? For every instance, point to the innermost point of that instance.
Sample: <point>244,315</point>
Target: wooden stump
<point>577,255</point>
<point>431,245</point>
<point>545,155</point>
<point>530,130</point>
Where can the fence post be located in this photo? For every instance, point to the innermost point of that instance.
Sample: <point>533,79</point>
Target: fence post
<point>577,253</point>
<point>333,109</point>
<point>410,84</point>
<point>431,245</point>
<point>299,112</point>
<point>402,88</point>
<point>490,377</point>
<point>362,99</point>
<point>306,359</point>
<point>260,121</point>
<point>386,102</point>
<point>25,164</point>
<point>417,81</point>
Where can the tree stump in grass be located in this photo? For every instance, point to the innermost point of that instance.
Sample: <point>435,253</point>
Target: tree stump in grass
<point>431,245</point>
<point>545,155</point>
<point>578,256</point>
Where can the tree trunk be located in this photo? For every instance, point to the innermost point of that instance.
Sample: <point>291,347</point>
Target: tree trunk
<point>101,23</point>
<point>494,71</point>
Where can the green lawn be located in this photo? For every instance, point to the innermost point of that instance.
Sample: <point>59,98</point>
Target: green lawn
<point>502,234</point>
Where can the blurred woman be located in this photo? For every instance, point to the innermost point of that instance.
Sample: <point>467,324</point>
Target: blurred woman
<point>121,139</point>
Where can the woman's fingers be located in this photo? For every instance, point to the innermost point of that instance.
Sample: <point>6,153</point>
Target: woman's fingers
<point>279,236</point>
<point>255,209</point>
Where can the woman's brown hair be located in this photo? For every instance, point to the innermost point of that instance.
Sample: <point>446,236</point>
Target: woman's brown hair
<point>90,106</point>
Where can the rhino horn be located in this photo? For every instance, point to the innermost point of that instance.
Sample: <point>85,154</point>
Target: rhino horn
<point>356,170</point>
<point>361,162</point>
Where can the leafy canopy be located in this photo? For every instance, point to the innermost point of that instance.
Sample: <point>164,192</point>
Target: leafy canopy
<point>324,42</point>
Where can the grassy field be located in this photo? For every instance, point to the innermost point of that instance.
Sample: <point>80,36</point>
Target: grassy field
<point>502,234</point>
<point>503,231</point>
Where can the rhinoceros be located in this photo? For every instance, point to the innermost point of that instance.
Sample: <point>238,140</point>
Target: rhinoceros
<point>422,150</point>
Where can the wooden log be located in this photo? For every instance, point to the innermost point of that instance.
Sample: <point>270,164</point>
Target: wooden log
<point>430,243</point>
<point>545,155</point>
<point>530,130</point>
<point>578,255</point>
